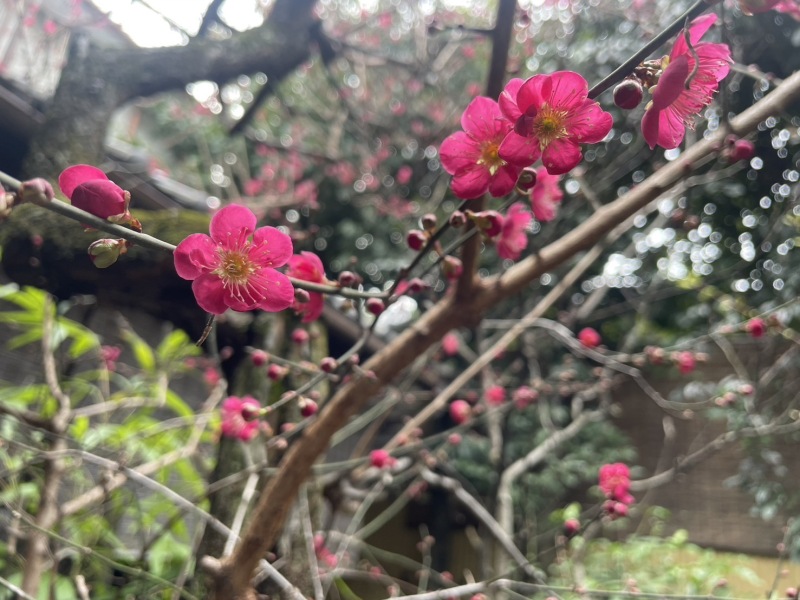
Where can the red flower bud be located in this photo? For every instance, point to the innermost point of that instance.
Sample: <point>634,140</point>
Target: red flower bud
<point>416,239</point>
<point>329,364</point>
<point>571,527</point>
<point>428,221</point>
<point>347,278</point>
<point>300,336</point>
<point>589,337</point>
<point>277,372</point>
<point>628,94</point>
<point>526,180</point>
<point>756,327</point>
<point>375,306</point>
<point>460,411</point>
<point>458,219</point>
<point>381,459</point>
<point>308,408</point>
<point>301,296</point>
<point>742,150</point>
<point>259,358</point>
<point>490,222</point>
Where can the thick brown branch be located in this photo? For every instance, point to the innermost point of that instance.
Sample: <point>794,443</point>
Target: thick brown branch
<point>97,81</point>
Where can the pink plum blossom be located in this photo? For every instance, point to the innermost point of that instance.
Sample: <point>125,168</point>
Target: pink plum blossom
<point>234,267</point>
<point>756,327</point>
<point>615,482</point>
<point>471,156</point>
<point>460,411</point>
<point>513,237</point>
<point>381,458</point>
<point>404,174</point>
<point>686,361</point>
<point>450,344</point>
<point>89,189</point>
<point>524,396</point>
<point>495,395</point>
<point>308,267</point>
<point>239,417</point>
<point>589,337</point>
<point>546,195</point>
<point>685,87</point>
<point>552,116</point>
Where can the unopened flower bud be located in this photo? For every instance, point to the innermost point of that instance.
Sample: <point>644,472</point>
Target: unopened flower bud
<point>490,222</point>
<point>300,336</point>
<point>742,150</point>
<point>416,239</point>
<point>416,285</point>
<point>308,408</point>
<point>105,252</point>
<point>458,219</point>
<point>526,180</point>
<point>571,527</point>
<point>460,411</point>
<point>302,296</point>
<point>428,221</point>
<point>259,358</point>
<point>347,279</point>
<point>277,372</point>
<point>380,459</point>
<point>250,412</point>
<point>36,190</point>
<point>628,94</point>
<point>329,364</point>
<point>375,306</point>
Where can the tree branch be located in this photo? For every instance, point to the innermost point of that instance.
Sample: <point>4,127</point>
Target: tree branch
<point>232,579</point>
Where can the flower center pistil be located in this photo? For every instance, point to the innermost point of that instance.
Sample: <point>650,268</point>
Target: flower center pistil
<point>549,125</point>
<point>490,157</point>
<point>235,267</point>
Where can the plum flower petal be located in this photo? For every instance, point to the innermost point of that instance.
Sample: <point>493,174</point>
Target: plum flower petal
<point>471,156</point>
<point>546,195</point>
<point>198,256</point>
<point>508,100</point>
<point>513,237</point>
<point>555,118</point>
<point>238,417</point>
<point>308,267</point>
<point>232,220</point>
<point>73,176</point>
<point>235,266</point>
<point>686,85</point>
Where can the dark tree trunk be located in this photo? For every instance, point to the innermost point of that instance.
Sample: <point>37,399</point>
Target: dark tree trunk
<point>96,81</point>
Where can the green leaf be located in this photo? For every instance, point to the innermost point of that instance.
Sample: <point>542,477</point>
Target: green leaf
<point>79,428</point>
<point>176,346</point>
<point>178,406</point>
<point>345,590</point>
<point>141,350</point>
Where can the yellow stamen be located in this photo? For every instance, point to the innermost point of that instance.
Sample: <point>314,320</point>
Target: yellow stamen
<point>491,158</point>
<point>549,125</point>
<point>235,268</point>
